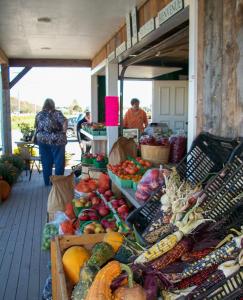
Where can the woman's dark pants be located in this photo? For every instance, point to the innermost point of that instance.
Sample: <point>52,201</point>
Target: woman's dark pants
<point>52,154</point>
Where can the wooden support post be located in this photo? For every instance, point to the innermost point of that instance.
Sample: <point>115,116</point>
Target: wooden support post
<point>111,90</point>
<point>6,111</point>
<point>3,58</point>
<point>192,89</point>
<point>94,98</point>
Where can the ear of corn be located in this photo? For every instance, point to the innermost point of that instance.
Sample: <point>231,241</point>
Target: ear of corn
<point>160,248</point>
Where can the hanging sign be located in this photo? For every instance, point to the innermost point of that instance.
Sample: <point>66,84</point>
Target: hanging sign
<point>171,9</point>
<point>134,26</point>
<point>129,31</point>
<point>121,48</point>
<point>111,110</point>
<point>146,29</point>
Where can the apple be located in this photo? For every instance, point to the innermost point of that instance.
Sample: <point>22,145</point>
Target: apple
<point>78,203</point>
<point>124,215</point>
<point>101,190</point>
<point>95,200</point>
<point>121,202</point>
<point>104,211</point>
<point>115,203</point>
<point>108,193</point>
<point>122,209</point>
<point>84,218</point>
<point>91,195</point>
<point>105,223</point>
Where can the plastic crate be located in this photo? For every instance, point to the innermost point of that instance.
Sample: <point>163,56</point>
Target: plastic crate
<point>141,217</point>
<point>229,289</point>
<point>208,154</point>
<point>124,183</point>
<point>222,191</point>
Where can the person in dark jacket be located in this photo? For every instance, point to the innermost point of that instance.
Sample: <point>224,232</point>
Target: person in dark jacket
<point>82,139</point>
<point>51,126</point>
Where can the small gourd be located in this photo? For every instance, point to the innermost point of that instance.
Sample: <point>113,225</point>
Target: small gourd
<point>100,288</point>
<point>87,276</point>
<point>4,189</point>
<point>73,260</point>
<point>115,239</point>
<point>130,292</point>
<point>101,253</point>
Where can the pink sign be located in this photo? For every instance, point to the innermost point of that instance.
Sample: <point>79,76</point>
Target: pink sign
<point>111,110</point>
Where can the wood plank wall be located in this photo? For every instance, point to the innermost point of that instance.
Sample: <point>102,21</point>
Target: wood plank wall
<point>222,105</point>
<point>148,10</point>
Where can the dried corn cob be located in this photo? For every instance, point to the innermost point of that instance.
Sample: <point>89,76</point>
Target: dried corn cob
<point>167,243</point>
<point>195,255</point>
<point>224,270</point>
<point>227,251</point>
<point>158,233</point>
<point>160,248</point>
<point>196,279</point>
<point>172,255</point>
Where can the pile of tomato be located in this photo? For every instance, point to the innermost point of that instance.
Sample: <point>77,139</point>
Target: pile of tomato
<point>129,169</point>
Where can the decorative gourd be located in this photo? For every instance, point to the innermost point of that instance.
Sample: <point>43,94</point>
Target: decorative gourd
<point>4,189</point>
<point>115,239</point>
<point>87,276</point>
<point>101,253</point>
<point>73,260</point>
<point>130,292</point>
<point>100,288</point>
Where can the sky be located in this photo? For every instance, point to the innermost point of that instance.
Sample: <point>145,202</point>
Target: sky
<point>64,85</point>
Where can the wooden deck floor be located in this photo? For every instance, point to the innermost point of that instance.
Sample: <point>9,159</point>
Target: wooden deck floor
<point>23,265</point>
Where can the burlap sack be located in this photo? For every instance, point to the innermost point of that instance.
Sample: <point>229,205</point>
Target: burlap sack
<point>61,193</point>
<point>121,149</point>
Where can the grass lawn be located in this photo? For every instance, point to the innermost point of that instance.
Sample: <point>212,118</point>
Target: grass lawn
<point>15,120</point>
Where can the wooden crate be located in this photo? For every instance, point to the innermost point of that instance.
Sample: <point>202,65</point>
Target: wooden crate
<point>61,287</point>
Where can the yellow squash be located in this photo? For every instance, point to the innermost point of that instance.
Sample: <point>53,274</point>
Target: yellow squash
<point>73,260</point>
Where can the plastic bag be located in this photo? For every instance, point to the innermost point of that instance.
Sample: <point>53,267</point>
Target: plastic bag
<point>104,182</point>
<point>151,181</point>
<point>50,230</point>
<point>47,291</point>
<point>177,148</point>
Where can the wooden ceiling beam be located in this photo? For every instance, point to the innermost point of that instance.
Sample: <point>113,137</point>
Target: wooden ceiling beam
<point>41,62</point>
<point>3,58</point>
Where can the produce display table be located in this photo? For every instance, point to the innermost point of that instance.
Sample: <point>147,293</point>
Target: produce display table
<point>99,142</point>
<point>129,194</point>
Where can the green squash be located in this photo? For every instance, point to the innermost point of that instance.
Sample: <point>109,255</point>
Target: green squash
<point>101,253</point>
<point>87,275</point>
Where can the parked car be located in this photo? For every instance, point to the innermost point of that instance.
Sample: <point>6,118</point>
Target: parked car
<point>72,125</point>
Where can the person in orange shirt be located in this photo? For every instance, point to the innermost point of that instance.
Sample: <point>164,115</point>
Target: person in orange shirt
<point>135,117</point>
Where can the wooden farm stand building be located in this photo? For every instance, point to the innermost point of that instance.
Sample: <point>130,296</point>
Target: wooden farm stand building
<point>203,39</point>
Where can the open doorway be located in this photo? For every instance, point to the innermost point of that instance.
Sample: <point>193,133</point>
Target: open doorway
<point>70,88</point>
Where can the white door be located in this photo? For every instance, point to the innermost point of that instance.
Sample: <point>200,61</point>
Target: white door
<point>170,104</point>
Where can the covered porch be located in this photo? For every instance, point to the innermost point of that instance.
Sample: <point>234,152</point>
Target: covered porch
<point>23,265</point>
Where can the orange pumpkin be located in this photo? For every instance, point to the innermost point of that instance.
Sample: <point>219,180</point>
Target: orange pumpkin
<point>4,189</point>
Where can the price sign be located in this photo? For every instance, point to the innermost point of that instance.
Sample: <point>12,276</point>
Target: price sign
<point>111,110</point>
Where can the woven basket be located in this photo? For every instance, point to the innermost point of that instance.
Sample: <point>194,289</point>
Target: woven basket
<point>155,154</point>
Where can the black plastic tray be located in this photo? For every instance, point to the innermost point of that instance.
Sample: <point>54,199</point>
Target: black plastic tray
<point>229,289</point>
<point>221,192</point>
<point>208,154</point>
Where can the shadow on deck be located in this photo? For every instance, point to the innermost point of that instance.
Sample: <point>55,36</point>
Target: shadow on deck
<point>23,265</point>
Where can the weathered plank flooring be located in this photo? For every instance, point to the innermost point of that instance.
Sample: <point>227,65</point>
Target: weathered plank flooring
<point>23,265</point>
